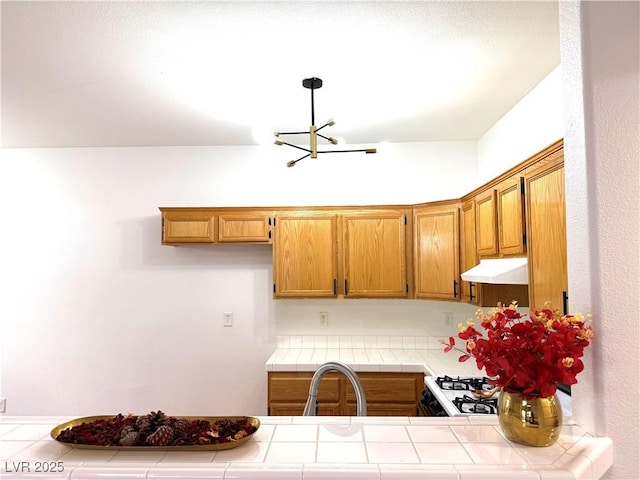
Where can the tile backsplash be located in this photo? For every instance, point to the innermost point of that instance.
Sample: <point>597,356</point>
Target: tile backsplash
<point>360,341</point>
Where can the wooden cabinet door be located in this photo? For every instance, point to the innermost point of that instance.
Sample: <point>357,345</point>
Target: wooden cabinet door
<point>511,217</point>
<point>387,393</point>
<point>244,227</point>
<point>546,227</point>
<point>486,223</point>
<point>288,393</point>
<point>436,252</point>
<point>187,226</point>
<point>468,251</point>
<point>374,254</point>
<point>305,257</point>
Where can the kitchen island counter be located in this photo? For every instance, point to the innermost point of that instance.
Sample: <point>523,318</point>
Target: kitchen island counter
<point>304,448</point>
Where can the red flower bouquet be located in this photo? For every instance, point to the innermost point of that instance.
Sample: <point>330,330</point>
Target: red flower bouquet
<point>526,356</point>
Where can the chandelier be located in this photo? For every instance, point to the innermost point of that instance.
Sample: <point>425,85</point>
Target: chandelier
<point>312,84</point>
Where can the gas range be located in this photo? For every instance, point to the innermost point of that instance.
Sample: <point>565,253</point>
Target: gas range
<point>453,396</point>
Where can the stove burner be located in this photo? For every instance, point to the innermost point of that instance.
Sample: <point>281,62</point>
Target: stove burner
<point>464,383</point>
<point>467,404</point>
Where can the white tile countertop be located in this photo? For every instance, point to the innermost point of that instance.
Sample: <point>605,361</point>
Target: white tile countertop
<point>368,354</point>
<point>314,448</point>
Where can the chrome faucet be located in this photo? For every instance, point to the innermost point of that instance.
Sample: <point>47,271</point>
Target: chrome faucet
<point>311,408</point>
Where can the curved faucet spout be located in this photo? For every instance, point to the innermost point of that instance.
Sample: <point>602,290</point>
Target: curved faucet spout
<point>311,408</point>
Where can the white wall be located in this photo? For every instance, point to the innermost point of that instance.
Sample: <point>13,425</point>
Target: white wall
<point>602,163</point>
<point>98,317</point>
<point>532,124</point>
<point>596,95</point>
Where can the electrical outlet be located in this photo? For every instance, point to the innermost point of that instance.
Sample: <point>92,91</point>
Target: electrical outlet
<point>227,319</point>
<point>448,319</point>
<point>3,405</point>
<point>324,318</point>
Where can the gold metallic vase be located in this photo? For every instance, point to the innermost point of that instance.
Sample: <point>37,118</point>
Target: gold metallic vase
<point>536,422</point>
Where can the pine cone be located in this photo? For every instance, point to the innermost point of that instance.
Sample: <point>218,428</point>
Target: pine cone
<point>129,437</point>
<point>144,425</point>
<point>163,436</point>
<point>158,418</point>
<point>147,424</point>
<point>181,427</point>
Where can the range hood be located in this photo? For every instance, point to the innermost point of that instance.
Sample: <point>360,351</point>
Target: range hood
<point>511,271</point>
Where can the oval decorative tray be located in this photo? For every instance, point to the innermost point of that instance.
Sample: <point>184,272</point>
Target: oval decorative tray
<point>224,445</point>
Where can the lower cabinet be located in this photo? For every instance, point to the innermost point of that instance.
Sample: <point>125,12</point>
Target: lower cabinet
<point>388,393</point>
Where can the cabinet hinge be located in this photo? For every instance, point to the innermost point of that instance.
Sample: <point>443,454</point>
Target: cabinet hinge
<point>274,288</point>
<point>524,239</point>
<point>405,219</point>
<point>407,287</point>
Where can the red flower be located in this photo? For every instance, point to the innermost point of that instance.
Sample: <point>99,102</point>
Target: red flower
<point>528,356</point>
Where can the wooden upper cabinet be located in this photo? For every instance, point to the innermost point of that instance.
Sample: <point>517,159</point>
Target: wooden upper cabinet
<point>486,223</point>
<point>305,254</point>
<point>215,225</point>
<point>468,250</point>
<point>244,227</point>
<point>546,227</point>
<point>511,240</point>
<point>187,226</point>
<point>375,254</point>
<point>500,219</point>
<point>436,258</point>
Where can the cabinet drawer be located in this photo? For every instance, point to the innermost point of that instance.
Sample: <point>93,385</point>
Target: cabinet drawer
<point>294,387</point>
<point>390,388</point>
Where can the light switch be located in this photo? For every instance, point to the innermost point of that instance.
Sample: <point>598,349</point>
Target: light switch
<point>227,319</point>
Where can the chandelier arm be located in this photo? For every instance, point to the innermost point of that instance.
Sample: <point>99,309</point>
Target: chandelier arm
<point>326,138</point>
<point>366,150</point>
<point>291,163</point>
<point>298,147</point>
<point>292,133</point>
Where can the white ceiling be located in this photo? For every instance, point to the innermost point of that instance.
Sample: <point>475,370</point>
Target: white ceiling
<point>98,74</point>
